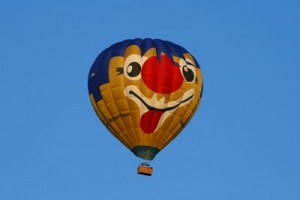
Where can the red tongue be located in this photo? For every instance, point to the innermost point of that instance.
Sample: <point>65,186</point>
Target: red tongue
<point>149,120</point>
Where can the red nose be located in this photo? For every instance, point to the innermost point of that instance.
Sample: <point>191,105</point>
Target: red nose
<point>161,76</point>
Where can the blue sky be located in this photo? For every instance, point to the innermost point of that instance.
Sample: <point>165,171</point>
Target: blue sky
<point>242,144</point>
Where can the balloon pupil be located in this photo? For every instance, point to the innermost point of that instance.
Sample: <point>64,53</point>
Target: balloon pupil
<point>188,74</point>
<point>133,69</point>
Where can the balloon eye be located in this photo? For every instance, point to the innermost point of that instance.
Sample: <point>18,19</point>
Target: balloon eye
<point>133,69</point>
<point>188,73</point>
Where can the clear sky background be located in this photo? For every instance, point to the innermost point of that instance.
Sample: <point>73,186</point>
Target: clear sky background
<point>242,144</point>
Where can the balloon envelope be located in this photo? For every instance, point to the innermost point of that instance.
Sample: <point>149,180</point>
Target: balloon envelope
<point>145,91</point>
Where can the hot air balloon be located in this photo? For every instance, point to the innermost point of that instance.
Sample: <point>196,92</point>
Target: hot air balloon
<point>145,91</point>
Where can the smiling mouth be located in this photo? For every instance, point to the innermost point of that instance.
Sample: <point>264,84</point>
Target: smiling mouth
<point>153,117</point>
<point>159,109</point>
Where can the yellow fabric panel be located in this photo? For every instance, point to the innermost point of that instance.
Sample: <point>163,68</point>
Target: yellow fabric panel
<point>112,125</point>
<point>171,129</point>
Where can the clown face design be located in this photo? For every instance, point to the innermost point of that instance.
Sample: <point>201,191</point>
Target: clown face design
<point>145,93</point>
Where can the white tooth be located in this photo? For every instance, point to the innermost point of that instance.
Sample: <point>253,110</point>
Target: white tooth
<point>161,102</point>
<point>154,97</point>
